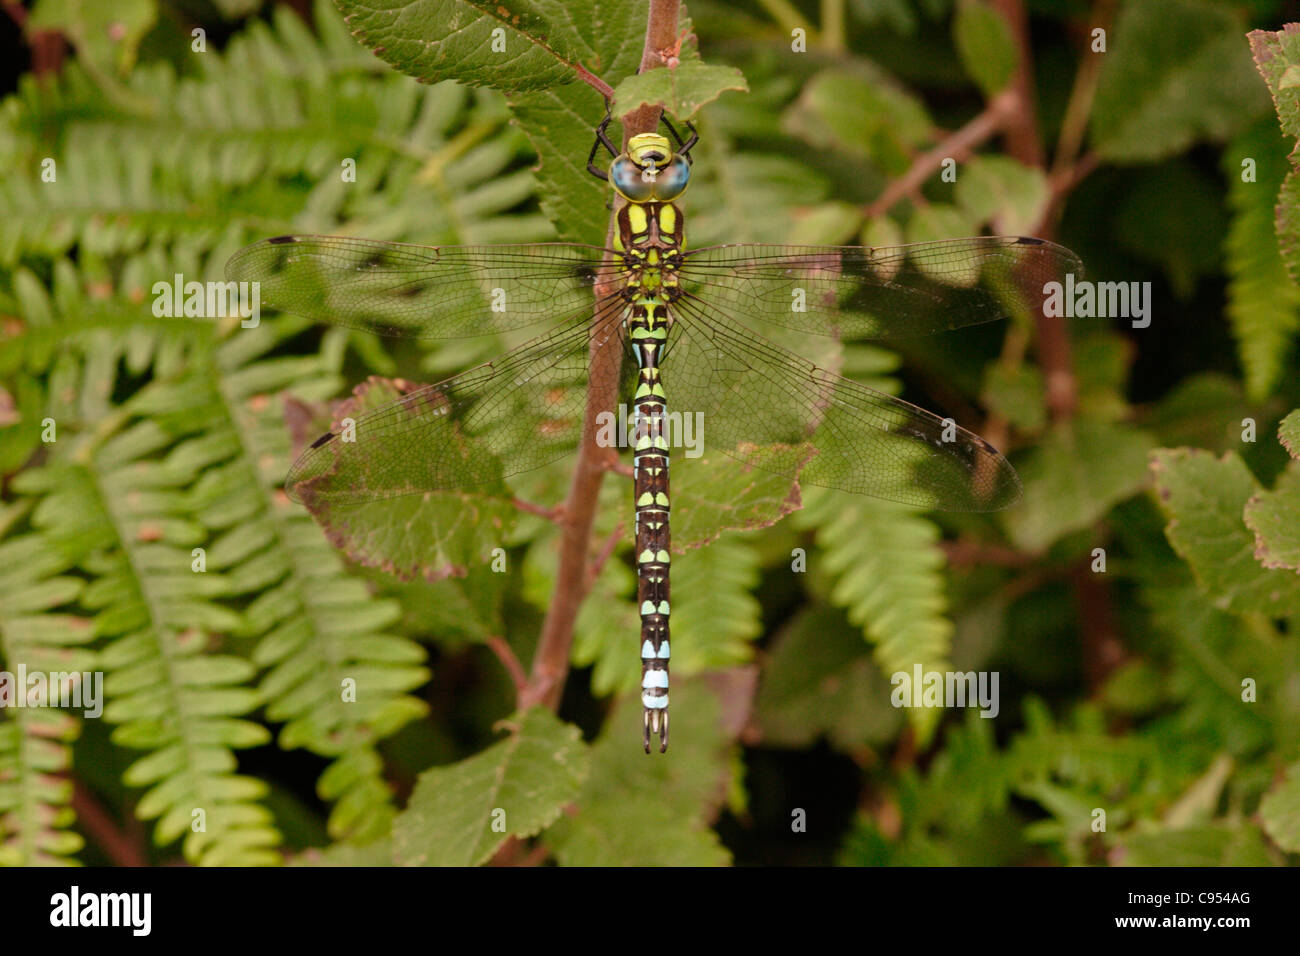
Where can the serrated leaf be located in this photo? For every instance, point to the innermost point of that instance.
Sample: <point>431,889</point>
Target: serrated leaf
<point>1279,811</point>
<point>641,809</point>
<point>1204,498</point>
<point>461,814</point>
<point>528,45</point>
<point>1073,477</point>
<point>714,493</point>
<point>432,534</point>
<point>1176,72</point>
<point>1276,55</point>
<point>1274,517</point>
<point>560,123</point>
<point>1288,433</point>
<point>985,45</point>
<point>681,90</point>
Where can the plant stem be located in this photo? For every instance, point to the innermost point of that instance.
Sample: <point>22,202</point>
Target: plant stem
<point>551,662</point>
<point>993,119</point>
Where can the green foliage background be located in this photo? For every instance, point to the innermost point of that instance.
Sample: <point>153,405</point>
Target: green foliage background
<point>1163,690</point>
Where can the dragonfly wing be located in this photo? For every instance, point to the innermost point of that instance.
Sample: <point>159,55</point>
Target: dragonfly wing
<point>860,292</point>
<point>760,402</point>
<point>518,412</point>
<point>399,289</point>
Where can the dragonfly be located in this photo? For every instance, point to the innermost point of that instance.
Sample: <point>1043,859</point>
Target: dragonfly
<point>701,330</point>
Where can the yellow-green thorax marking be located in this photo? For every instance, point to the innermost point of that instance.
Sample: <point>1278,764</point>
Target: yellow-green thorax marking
<point>649,176</point>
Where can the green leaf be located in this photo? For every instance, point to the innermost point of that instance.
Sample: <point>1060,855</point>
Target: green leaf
<point>1276,56</point>
<point>940,221</point>
<point>461,814</point>
<point>864,113</point>
<point>1016,392</point>
<point>528,45</point>
<point>1176,72</point>
<point>1004,192</point>
<point>640,809</point>
<point>1263,300</point>
<point>1274,517</point>
<point>431,535</point>
<point>1279,811</point>
<point>819,680</point>
<point>681,90</point>
<point>1078,473</point>
<point>714,493</point>
<point>1288,433</point>
<point>1204,498</point>
<point>985,45</point>
<point>107,35</point>
<point>1213,845</point>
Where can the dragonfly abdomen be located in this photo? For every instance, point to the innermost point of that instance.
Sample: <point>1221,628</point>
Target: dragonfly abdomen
<point>651,234</point>
<point>647,328</point>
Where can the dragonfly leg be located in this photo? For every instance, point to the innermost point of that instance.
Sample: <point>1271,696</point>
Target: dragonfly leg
<point>601,140</point>
<point>683,146</point>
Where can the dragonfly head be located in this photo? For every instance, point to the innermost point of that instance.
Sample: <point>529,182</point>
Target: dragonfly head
<point>649,170</point>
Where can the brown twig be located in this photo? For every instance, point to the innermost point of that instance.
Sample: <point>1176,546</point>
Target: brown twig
<point>550,514</point>
<point>509,661</point>
<point>603,557</point>
<point>551,662</point>
<point>994,118</point>
<point>103,830</point>
<point>1024,144</point>
<point>1075,122</point>
<point>595,82</point>
<point>964,552</point>
<point>1021,131</point>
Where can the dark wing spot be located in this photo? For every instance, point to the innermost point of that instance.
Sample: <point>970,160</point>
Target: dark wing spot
<point>585,275</point>
<point>281,240</point>
<point>323,439</point>
<point>412,290</point>
<point>1028,241</point>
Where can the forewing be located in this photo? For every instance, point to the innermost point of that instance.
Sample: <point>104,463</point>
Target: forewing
<point>861,292</point>
<point>399,289</point>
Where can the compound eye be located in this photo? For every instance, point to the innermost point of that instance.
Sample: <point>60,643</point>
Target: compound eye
<point>672,179</point>
<point>630,182</point>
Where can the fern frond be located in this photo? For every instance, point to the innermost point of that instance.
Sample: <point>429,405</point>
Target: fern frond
<point>35,752</point>
<point>124,494</point>
<point>336,678</point>
<point>888,573</point>
<point>1263,302</point>
<point>194,160</point>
